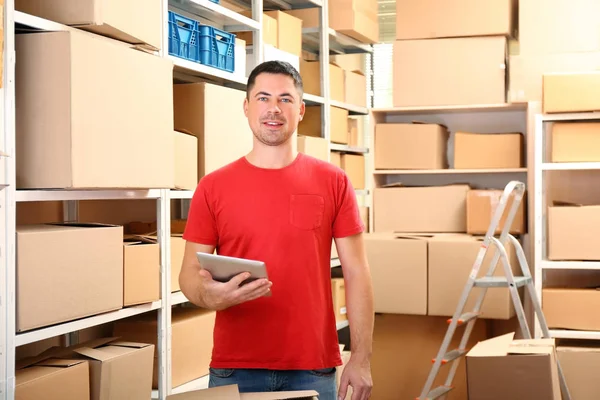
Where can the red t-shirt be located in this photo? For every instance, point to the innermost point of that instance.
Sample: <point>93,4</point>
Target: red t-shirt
<point>287,218</point>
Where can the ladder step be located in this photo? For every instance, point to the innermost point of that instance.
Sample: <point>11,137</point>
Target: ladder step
<point>437,393</point>
<point>466,317</point>
<point>500,281</point>
<point>452,355</point>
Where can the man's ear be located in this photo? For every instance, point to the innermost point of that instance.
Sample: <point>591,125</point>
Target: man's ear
<point>302,110</point>
<point>246,106</point>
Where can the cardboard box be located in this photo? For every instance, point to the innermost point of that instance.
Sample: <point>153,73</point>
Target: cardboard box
<point>336,158</point>
<point>311,124</point>
<point>289,32</point>
<point>571,308</point>
<point>91,112</point>
<point>424,209</point>
<point>186,161</point>
<point>354,166</point>
<point>399,273</point>
<point>223,133</point>
<point>52,379</point>
<point>571,232</point>
<point>579,362</point>
<point>132,21</point>
<point>310,71</point>
<point>338,290</point>
<point>314,147</point>
<point>488,150</point>
<point>495,369</point>
<point>575,142</point>
<point>451,259</point>
<point>431,19</point>
<point>356,131</point>
<point>440,72</point>
<point>270,53</point>
<point>481,208</point>
<point>411,146</point>
<point>350,62</point>
<point>191,341</point>
<point>364,216</point>
<point>269,30</point>
<point>231,392</point>
<point>571,92</point>
<point>141,271</point>
<point>355,87</point>
<point>82,273</point>
<point>355,18</point>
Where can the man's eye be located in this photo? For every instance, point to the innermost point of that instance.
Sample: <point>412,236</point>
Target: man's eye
<point>286,100</point>
<point>262,98</point>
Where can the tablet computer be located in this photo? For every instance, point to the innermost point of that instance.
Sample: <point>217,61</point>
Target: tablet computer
<point>223,268</point>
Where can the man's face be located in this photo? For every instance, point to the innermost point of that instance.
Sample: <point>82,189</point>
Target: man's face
<point>273,108</point>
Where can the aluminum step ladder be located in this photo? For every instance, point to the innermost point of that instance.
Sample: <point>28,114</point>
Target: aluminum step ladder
<point>460,318</point>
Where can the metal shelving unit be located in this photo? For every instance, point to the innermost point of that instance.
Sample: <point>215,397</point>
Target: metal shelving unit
<point>541,168</point>
<point>323,40</point>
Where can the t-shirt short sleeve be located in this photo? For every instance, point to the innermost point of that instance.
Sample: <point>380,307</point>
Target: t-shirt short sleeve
<point>347,221</point>
<point>201,226</point>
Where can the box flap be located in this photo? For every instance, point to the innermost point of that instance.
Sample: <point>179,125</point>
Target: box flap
<point>532,346</point>
<point>83,224</point>
<point>131,345</point>
<point>306,394</point>
<point>184,131</point>
<point>416,122</point>
<point>495,347</point>
<point>95,354</point>
<point>58,362</point>
<point>229,392</point>
<point>132,240</point>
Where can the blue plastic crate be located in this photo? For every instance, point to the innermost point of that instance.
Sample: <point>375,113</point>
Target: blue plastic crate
<point>183,37</point>
<point>217,48</point>
<point>215,1</point>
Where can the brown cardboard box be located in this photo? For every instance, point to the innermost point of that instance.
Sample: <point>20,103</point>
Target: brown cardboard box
<point>355,18</point>
<point>571,92</point>
<point>571,232</point>
<point>91,112</point>
<point>355,87</point>
<point>411,146</point>
<point>430,19</point>
<point>350,62</point>
<point>495,369</point>
<point>575,142</point>
<point>451,259</point>
<point>310,71</point>
<point>311,124</point>
<point>311,17</point>
<point>354,166</point>
<point>52,379</point>
<point>364,216</point>
<point>186,161</point>
<point>418,339</point>
<point>487,150</point>
<point>481,207</point>
<point>289,32</point>
<point>313,146</point>
<point>579,362</point>
<point>424,209</point>
<point>572,308</point>
<point>439,72</point>
<point>191,341</point>
<point>141,271</point>
<point>223,133</point>
<point>338,290</point>
<point>399,272</point>
<point>231,392</point>
<point>132,21</point>
<point>83,262</point>
<point>336,158</point>
<point>356,131</point>
<point>269,30</point>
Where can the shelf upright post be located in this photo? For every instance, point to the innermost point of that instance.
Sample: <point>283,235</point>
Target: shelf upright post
<point>324,66</point>
<point>8,204</point>
<point>257,37</point>
<point>163,218</point>
<point>539,214</point>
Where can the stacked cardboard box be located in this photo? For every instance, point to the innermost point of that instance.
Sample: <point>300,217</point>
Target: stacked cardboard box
<point>451,53</point>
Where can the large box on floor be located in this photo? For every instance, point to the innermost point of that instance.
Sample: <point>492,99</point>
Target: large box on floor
<point>223,132</point>
<point>52,379</point>
<point>399,272</point>
<point>191,341</point>
<point>411,146</point>
<point>231,392</point>
<point>91,112</point>
<point>432,19</point>
<point>439,72</point>
<point>132,21</point>
<point>572,230</point>
<point>424,209</point>
<point>502,368</point>
<point>77,269</point>
<point>451,259</point>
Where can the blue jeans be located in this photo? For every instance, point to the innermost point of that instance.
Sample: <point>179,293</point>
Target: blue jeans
<point>262,380</point>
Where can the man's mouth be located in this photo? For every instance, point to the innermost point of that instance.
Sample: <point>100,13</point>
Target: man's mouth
<point>273,123</point>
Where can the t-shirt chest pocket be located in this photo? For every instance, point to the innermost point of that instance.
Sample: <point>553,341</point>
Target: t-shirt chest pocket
<point>306,211</point>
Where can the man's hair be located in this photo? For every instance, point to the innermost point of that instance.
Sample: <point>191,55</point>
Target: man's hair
<point>275,67</point>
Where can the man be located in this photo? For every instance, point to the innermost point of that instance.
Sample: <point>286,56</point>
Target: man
<point>283,208</point>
